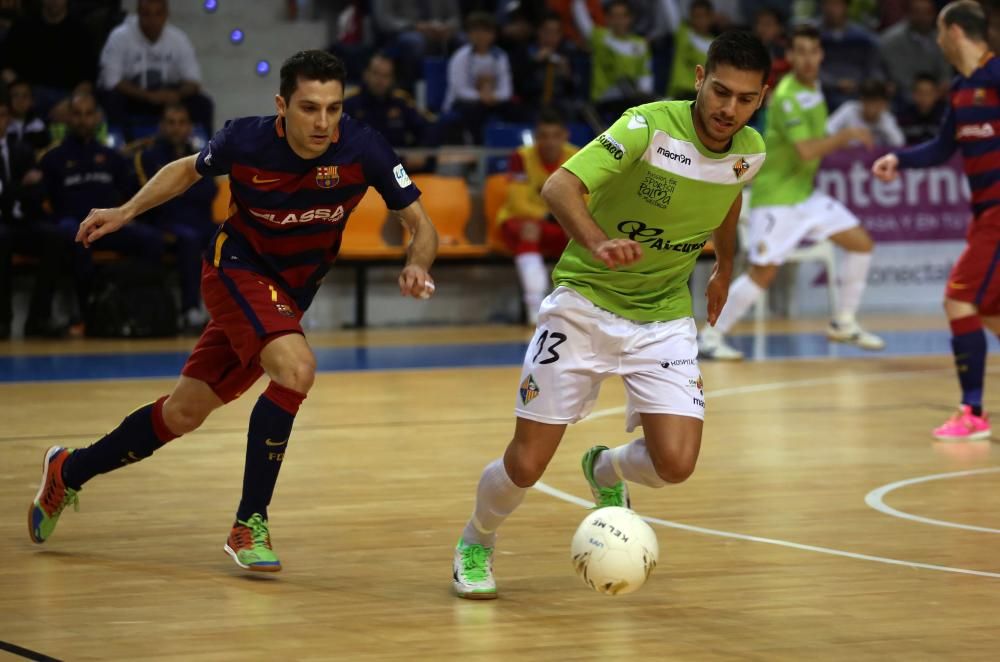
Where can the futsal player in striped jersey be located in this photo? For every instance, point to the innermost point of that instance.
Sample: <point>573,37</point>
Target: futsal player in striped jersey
<point>295,177</point>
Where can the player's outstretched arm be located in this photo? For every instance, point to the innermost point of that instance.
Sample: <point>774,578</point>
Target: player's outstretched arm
<point>886,167</point>
<point>564,194</point>
<point>724,241</point>
<point>415,280</point>
<point>817,148</point>
<point>172,180</point>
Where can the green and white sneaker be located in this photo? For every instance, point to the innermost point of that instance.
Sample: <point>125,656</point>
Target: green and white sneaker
<point>473,572</point>
<point>603,496</point>
<point>249,544</point>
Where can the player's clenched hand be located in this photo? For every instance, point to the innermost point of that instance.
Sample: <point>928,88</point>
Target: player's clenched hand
<point>415,282</point>
<point>618,252</point>
<point>98,223</point>
<point>885,167</point>
<point>717,293</point>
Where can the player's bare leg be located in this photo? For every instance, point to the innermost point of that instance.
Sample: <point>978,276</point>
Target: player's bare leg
<point>291,365</point>
<point>501,489</point>
<point>968,343</point>
<point>857,245</point>
<point>743,294</point>
<point>144,431</point>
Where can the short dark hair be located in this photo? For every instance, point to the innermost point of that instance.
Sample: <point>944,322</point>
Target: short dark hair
<point>310,65</point>
<point>874,89</point>
<point>549,115</point>
<point>701,4</point>
<point>739,49</point>
<point>618,3</point>
<point>805,31</point>
<point>925,77</point>
<point>551,16</point>
<point>968,15</point>
<point>480,20</point>
<point>176,107</point>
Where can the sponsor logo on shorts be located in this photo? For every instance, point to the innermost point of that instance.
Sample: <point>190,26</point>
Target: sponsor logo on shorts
<point>615,148</point>
<point>529,390</point>
<point>674,156</point>
<point>657,190</point>
<point>644,234</point>
<point>673,362</point>
<point>284,309</point>
<point>699,402</point>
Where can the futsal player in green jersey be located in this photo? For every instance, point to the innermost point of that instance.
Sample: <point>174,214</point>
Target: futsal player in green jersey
<point>785,208</point>
<point>662,180</point>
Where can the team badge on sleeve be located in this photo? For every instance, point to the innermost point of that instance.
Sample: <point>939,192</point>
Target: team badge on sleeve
<point>401,177</point>
<point>740,167</point>
<point>327,176</point>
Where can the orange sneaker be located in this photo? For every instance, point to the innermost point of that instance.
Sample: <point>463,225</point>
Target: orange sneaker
<point>249,544</point>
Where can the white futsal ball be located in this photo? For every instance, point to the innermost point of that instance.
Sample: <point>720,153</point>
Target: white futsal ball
<point>614,550</point>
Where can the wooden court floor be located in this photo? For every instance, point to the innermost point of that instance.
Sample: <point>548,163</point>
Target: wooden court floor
<point>778,556</point>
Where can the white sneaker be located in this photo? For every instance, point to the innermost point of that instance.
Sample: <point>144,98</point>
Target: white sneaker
<point>847,330</point>
<point>712,345</point>
<point>472,574</point>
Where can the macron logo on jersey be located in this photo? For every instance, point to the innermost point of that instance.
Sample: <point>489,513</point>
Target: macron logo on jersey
<point>674,156</point>
<point>319,214</point>
<point>637,122</point>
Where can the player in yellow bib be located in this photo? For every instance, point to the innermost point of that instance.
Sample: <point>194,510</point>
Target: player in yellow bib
<point>665,178</point>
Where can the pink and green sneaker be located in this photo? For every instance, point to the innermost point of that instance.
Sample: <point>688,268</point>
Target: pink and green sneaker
<point>52,498</point>
<point>964,426</point>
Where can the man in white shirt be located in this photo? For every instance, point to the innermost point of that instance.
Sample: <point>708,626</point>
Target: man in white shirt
<point>147,64</point>
<point>871,112</point>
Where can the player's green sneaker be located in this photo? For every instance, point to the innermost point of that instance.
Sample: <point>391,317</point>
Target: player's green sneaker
<point>53,496</point>
<point>249,544</point>
<point>472,574</point>
<point>616,495</point>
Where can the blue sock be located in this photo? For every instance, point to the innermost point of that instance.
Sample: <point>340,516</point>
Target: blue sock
<point>267,439</point>
<point>968,343</point>
<point>136,438</point>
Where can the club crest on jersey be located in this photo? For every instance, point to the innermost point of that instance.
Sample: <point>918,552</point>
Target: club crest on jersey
<point>740,167</point>
<point>979,96</point>
<point>284,309</point>
<point>529,390</point>
<point>327,177</point>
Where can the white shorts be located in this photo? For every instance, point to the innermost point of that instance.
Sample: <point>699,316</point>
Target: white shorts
<point>578,345</point>
<point>775,232</point>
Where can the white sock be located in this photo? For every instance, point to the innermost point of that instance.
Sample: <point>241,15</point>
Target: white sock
<point>534,280</point>
<point>496,497</point>
<point>853,278</point>
<point>630,462</point>
<point>742,294</point>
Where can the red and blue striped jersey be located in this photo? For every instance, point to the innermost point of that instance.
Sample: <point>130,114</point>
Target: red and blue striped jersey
<point>971,124</point>
<point>288,214</point>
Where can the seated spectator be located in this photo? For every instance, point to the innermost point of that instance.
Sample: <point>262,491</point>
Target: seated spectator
<point>479,81</point>
<point>527,226</point>
<point>851,54</point>
<point>188,217</point>
<point>654,19</point>
<point>147,64</point>
<point>691,49</point>
<point>871,112</point>
<point>920,119</point>
<point>391,111</point>
<point>26,125</point>
<point>22,231</point>
<point>81,174</point>
<point>769,28</point>
<point>51,50</point>
<point>910,47</point>
<point>621,68</point>
<point>414,30</point>
<point>543,75</point>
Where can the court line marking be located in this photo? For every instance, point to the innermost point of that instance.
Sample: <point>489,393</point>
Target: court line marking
<point>774,386</point>
<point>875,499</point>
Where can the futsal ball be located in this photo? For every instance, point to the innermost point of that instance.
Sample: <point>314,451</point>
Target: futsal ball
<point>614,550</point>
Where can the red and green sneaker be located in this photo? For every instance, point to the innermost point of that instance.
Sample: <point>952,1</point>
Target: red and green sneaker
<point>249,544</point>
<point>53,496</point>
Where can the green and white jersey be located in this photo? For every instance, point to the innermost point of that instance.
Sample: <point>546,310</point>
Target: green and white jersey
<point>652,180</point>
<point>796,113</point>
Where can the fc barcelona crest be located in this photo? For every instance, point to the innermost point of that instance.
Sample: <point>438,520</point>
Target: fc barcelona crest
<point>327,177</point>
<point>740,167</point>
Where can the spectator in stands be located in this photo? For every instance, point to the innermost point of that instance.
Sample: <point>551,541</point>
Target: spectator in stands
<point>910,47</point>
<point>543,75</point>
<point>871,112</point>
<point>691,49</point>
<point>188,217</point>
<point>22,231</point>
<point>851,54</point>
<point>527,226</point>
<point>621,70</point>
<point>81,174</point>
<point>51,50</point>
<point>147,64</point>
<point>920,119</point>
<point>654,19</point>
<point>479,80</point>
<point>391,111</point>
<point>10,11</point>
<point>575,15</point>
<point>769,28</point>
<point>414,30</point>
<point>26,125</point>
